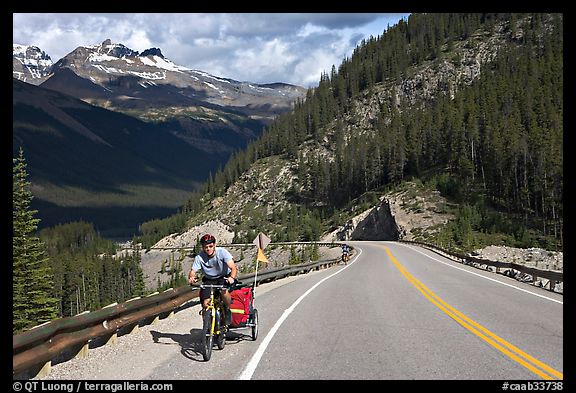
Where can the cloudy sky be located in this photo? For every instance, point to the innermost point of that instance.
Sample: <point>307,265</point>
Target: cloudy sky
<point>262,48</point>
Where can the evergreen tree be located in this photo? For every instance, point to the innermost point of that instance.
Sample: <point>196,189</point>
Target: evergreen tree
<point>32,280</point>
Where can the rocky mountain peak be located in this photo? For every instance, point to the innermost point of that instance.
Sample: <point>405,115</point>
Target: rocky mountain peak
<point>29,52</point>
<point>30,64</point>
<point>152,52</point>
<point>115,50</point>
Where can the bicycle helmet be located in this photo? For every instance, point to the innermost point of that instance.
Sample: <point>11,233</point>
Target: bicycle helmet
<point>207,239</point>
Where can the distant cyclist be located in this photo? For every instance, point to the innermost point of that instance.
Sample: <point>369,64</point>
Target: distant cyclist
<point>345,253</point>
<point>218,267</point>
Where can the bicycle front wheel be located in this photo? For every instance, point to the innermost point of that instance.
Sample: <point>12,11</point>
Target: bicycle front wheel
<point>207,335</point>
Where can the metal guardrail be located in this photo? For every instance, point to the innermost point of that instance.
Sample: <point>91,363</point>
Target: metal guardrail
<point>320,244</point>
<point>43,343</point>
<point>531,274</point>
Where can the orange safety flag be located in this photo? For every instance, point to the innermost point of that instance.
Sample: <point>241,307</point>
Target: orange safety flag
<point>261,257</point>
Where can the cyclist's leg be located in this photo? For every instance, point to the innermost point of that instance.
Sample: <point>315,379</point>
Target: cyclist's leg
<point>226,300</point>
<point>205,294</point>
<point>204,299</point>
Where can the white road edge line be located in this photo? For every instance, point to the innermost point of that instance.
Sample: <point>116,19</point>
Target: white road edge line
<point>480,275</point>
<point>253,363</point>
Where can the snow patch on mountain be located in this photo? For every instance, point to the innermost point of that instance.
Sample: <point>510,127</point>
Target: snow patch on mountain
<point>157,61</point>
<point>109,70</point>
<point>206,75</point>
<point>30,62</point>
<point>149,75</point>
<point>96,57</point>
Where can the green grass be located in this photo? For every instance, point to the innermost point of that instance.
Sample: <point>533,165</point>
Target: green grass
<point>125,195</point>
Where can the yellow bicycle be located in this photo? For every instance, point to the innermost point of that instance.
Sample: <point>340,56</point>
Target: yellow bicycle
<point>214,326</point>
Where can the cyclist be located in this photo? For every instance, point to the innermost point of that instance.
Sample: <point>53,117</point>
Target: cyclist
<point>218,267</point>
<point>345,252</point>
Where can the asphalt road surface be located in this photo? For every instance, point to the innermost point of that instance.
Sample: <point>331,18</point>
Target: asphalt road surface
<point>394,312</point>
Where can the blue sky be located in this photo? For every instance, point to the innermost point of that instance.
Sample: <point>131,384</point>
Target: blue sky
<point>261,47</point>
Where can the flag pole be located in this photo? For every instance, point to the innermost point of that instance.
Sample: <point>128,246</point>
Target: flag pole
<point>260,242</point>
<point>255,275</point>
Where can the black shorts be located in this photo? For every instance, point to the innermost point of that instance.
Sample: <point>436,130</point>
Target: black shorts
<point>205,292</point>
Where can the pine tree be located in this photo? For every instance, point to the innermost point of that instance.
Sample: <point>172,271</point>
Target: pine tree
<point>32,281</point>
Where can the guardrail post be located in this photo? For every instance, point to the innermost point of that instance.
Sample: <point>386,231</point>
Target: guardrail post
<point>84,348</point>
<point>113,339</point>
<point>171,313</point>
<point>136,326</point>
<point>47,367</point>
<point>45,370</point>
<point>84,351</point>
<point>156,318</point>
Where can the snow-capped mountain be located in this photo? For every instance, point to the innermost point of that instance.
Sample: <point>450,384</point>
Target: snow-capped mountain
<point>123,71</point>
<point>30,64</point>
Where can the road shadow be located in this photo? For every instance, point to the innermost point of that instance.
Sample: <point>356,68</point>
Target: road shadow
<point>190,344</point>
<point>237,335</point>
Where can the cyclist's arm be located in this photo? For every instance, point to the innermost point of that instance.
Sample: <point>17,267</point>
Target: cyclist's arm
<point>233,270</point>
<point>196,266</point>
<point>192,276</point>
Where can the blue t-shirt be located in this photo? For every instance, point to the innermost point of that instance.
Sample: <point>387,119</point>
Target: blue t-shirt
<point>214,267</point>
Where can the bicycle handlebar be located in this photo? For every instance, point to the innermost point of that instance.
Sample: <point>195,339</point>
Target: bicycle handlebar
<point>216,286</point>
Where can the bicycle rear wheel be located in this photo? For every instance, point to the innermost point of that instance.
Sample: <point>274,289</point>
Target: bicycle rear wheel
<point>255,325</point>
<point>207,335</point>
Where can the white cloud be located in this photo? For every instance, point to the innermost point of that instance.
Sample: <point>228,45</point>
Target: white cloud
<point>260,48</point>
<point>310,29</point>
<point>311,67</point>
<point>264,61</point>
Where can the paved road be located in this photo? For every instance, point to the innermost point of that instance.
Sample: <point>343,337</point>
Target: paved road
<point>394,312</point>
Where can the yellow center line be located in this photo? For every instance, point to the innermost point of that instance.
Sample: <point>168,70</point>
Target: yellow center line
<point>508,349</point>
